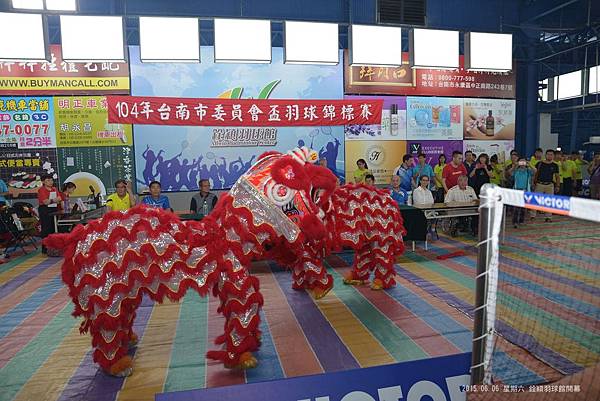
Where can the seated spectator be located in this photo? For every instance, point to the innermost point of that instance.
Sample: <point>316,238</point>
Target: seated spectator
<point>3,192</point>
<point>205,201</point>
<point>370,180</point>
<point>66,191</point>
<point>422,195</point>
<point>155,199</point>
<point>123,199</point>
<point>461,192</point>
<point>396,192</point>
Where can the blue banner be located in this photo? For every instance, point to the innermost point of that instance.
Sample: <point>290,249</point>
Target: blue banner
<point>442,379</point>
<point>547,203</point>
<point>178,156</point>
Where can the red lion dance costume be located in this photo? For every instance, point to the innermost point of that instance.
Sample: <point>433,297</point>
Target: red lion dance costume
<point>275,210</point>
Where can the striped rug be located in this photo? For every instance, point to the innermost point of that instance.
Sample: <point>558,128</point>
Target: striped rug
<point>43,357</point>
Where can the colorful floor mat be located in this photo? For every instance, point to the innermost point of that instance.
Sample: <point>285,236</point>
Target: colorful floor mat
<point>43,356</point>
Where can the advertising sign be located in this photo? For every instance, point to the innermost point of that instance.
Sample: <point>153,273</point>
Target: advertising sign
<point>434,118</point>
<point>27,122</point>
<point>62,77</point>
<point>500,148</point>
<point>445,378</point>
<point>403,80</point>
<point>21,169</point>
<point>548,203</point>
<point>392,126</point>
<point>433,149</point>
<point>382,157</point>
<point>489,119</point>
<point>83,121</point>
<point>98,167</point>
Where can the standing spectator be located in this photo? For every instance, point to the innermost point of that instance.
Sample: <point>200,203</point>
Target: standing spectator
<point>49,201</point>
<point>422,168</point>
<point>497,171</point>
<point>522,178</point>
<point>546,179</point>
<point>3,192</point>
<point>580,164</point>
<point>363,169</point>
<point>155,199</point>
<point>66,191</point>
<point>439,185</point>
<point>567,172</point>
<point>405,172</point>
<point>537,157</point>
<point>510,167</point>
<point>470,166</point>
<point>482,173</point>
<point>204,201</point>
<point>594,170</point>
<point>422,195</point>
<point>123,199</point>
<point>396,192</point>
<point>453,170</point>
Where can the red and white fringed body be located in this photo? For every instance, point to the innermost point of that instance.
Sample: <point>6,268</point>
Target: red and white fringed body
<point>367,220</point>
<point>112,262</point>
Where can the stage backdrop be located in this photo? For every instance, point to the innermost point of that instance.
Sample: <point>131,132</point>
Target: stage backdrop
<point>382,158</point>
<point>489,119</point>
<point>500,148</point>
<point>178,155</point>
<point>393,121</point>
<point>434,118</point>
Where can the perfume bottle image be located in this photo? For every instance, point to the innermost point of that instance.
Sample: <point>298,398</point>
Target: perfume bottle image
<point>435,114</point>
<point>489,124</point>
<point>394,119</point>
<point>386,116</point>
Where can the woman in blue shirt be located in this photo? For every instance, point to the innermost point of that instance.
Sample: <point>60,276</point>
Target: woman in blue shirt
<point>155,199</point>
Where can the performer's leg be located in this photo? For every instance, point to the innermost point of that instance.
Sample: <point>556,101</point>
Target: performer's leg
<point>361,268</point>
<point>384,267</point>
<point>316,278</point>
<point>240,304</point>
<point>111,345</point>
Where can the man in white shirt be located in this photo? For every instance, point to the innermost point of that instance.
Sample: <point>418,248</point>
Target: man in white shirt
<point>422,195</point>
<point>461,192</point>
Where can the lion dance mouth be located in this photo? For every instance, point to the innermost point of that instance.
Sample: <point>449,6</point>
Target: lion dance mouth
<point>284,208</point>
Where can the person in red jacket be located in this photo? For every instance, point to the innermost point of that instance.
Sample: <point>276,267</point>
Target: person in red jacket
<point>49,200</point>
<point>453,170</point>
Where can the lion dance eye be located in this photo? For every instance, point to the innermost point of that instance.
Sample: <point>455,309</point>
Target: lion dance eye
<point>279,194</point>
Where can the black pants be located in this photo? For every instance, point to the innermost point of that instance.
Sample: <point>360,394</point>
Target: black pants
<point>518,215</point>
<point>567,187</point>
<point>46,222</point>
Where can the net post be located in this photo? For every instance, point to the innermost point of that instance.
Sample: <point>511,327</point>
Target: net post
<point>487,216</point>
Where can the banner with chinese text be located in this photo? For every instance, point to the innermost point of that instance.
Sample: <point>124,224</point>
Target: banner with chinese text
<point>434,118</point>
<point>21,169</point>
<point>98,167</point>
<point>433,149</point>
<point>83,121</point>
<point>500,148</point>
<point>27,122</point>
<point>178,155</point>
<point>392,126</point>
<point>242,112</point>
<point>403,80</point>
<point>382,157</point>
<point>489,119</point>
<point>62,77</point>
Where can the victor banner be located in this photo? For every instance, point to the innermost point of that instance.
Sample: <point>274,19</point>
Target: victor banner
<point>213,112</point>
